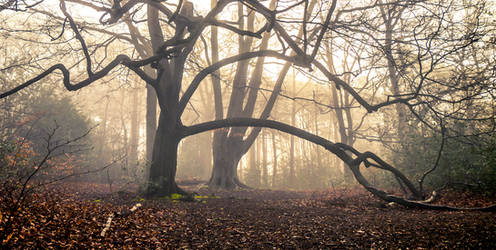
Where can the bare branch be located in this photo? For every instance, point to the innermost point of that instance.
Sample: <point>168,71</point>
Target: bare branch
<point>212,68</point>
<point>120,59</point>
<point>78,37</point>
<point>333,148</point>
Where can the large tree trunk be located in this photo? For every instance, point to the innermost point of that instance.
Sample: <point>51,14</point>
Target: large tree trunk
<point>162,173</point>
<point>226,159</point>
<point>151,120</point>
<point>226,145</point>
<point>164,159</point>
<point>224,174</point>
<point>239,94</point>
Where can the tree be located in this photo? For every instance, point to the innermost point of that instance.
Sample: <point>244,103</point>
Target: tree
<point>230,145</point>
<point>171,54</point>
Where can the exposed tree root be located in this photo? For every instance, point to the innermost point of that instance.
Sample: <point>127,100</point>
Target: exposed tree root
<point>163,191</point>
<point>241,184</point>
<point>235,183</point>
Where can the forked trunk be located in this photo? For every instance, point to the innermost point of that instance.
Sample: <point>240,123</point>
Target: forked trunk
<point>226,160</point>
<point>224,175</point>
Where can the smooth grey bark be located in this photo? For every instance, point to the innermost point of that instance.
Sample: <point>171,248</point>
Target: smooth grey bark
<point>163,167</point>
<point>169,72</point>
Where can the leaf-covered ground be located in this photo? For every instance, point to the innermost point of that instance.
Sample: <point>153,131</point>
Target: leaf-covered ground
<point>73,215</point>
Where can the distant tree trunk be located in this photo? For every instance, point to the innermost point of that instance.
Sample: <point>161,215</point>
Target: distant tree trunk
<point>335,135</point>
<point>252,164</point>
<point>204,141</point>
<point>274,159</point>
<point>292,177</point>
<point>265,172</point>
<point>134,133</point>
<point>125,143</point>
<point>336,99</point>
<point>102,156</point>
<point>316,124</point>
<point>394,79</point>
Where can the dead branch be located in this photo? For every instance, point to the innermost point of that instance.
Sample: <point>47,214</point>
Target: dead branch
<point>116,215</point>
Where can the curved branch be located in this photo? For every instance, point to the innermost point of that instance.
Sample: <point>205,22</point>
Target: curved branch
<point>241,32</point>
<point>362,157</point>
<point>78,37</point>
<point>328,145</point>
<point>324,29</point>
<point>438,158</point>
<point>120,59</point>
<point>269,15</point>
<point>212,68</point>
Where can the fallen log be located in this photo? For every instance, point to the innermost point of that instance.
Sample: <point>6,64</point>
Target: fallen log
<point>118,214</point>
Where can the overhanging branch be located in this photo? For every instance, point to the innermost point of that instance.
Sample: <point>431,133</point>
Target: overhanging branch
<point>334,148</point>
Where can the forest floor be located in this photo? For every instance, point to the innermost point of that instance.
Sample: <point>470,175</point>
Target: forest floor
<point>73,215</point>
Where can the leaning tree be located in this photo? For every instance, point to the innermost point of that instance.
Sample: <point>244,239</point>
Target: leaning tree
<point>175,29</point>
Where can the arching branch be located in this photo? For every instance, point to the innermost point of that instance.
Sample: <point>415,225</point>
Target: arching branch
<point>334,148</point>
